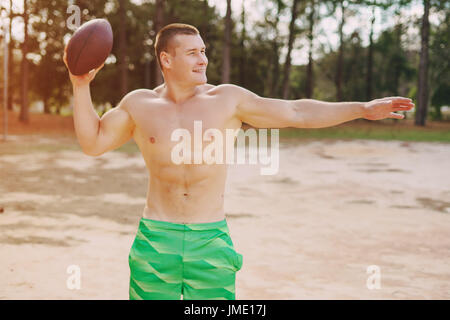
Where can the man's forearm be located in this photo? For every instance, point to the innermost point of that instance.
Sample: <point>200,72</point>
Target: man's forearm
<point>319,114</point>
<point>86,120</point>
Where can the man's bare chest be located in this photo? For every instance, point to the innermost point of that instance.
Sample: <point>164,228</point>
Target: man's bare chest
<point>159,125</point>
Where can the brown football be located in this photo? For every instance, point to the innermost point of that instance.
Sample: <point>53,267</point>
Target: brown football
<point>89,46</point>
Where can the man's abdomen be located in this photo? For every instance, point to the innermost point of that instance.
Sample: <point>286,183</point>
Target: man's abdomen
<point>187,199</point>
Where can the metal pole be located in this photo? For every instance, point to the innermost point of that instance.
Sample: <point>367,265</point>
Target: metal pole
<point>5,88</point>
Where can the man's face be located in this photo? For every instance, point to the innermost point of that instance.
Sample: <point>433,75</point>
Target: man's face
<point>190,61</point>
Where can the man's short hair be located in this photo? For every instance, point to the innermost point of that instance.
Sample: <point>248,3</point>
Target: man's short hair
<point>166,34</point>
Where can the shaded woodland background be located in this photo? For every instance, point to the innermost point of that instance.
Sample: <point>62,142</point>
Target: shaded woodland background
<point>393,63</point>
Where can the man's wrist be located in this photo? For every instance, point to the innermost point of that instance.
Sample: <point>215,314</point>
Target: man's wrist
<point>80,87</point>
<point>361,110</point>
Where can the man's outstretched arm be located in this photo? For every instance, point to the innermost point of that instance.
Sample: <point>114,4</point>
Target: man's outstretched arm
<point>308,113</point>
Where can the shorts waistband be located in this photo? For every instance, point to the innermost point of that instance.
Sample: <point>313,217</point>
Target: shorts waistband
<point>159,224</point>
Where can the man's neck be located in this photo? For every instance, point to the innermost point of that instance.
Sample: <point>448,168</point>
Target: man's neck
<point>177,93</point>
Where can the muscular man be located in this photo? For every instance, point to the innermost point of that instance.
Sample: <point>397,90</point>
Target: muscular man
<point>182,245</point>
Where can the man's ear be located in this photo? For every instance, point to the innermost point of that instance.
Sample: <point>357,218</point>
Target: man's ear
<point>165,59</point>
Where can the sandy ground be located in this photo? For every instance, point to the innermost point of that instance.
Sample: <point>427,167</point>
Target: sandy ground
<point>310,232</point>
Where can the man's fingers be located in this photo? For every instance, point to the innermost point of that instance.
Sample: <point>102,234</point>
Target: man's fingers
<point>398,104</point>
<point>397,99</point>
<point>404,105</point>
<point>394,98</point>
<point>93,72</point>
<point>97,69</point>
<point>396,116</point>
<point>65,55</point>
<point>403,102</point>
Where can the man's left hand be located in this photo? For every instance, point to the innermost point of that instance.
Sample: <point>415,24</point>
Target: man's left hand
<point>385,108</point>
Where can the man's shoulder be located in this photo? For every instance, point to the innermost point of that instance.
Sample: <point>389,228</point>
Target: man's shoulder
<point>222,89</point>
<point>234,94</point>
<point>135,97</point>
<point>141,93</point>
<point>227,89</point>
<point>208,86</point>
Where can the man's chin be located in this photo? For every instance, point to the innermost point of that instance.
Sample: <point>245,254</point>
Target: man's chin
<point>201,81</point>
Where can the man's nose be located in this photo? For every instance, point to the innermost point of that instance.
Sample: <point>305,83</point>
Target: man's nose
<point>203,60</point>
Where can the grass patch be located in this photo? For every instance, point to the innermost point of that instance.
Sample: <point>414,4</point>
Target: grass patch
<point>401,131</point>
<point>14,148</point>
<point>389,129</point>
<point>129,148</point>
<point>24,148</point>
<point>367,133</point>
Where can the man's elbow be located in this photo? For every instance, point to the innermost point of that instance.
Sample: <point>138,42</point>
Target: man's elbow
<point>298,121</point>
<point>292,116</point>
<point>304,117</point>
<point>91,151</point>
<point>93,154</point>
<point>310,124</point>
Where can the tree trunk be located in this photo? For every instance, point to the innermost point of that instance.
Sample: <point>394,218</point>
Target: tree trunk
<point>397,68</point>
<point>123,65</point>
<point>10,59</point>
<point>287,64</point>
<point>46,105</point>
<point>147,72</point>
<point>370,60</point>
<point>226,46</point>
<point>309,69</point>
<point>275,58</point>
<point>23,117</point>
<point>207,36</point>
<point>397,63</point>
<point>158,25</point>
<point>422,96</point>
<point>172,17</point>
<point>340,61</point>
<point>204,26</point>
<point>242,49</point>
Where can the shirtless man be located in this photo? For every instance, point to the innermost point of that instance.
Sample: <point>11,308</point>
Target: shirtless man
<point>182,245</point>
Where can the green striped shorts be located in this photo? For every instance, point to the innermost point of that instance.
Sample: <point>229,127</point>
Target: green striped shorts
<point>196,260</point>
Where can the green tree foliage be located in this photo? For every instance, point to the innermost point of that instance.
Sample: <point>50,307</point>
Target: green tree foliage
<point>440,66</point>
<point>394,66</point>
<point>48,73</point>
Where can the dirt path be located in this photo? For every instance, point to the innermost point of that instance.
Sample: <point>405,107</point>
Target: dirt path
<point>309,232</point>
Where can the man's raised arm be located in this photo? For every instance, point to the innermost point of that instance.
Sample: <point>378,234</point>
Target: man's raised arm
<point>97,135</point>
<point>308,113</point>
